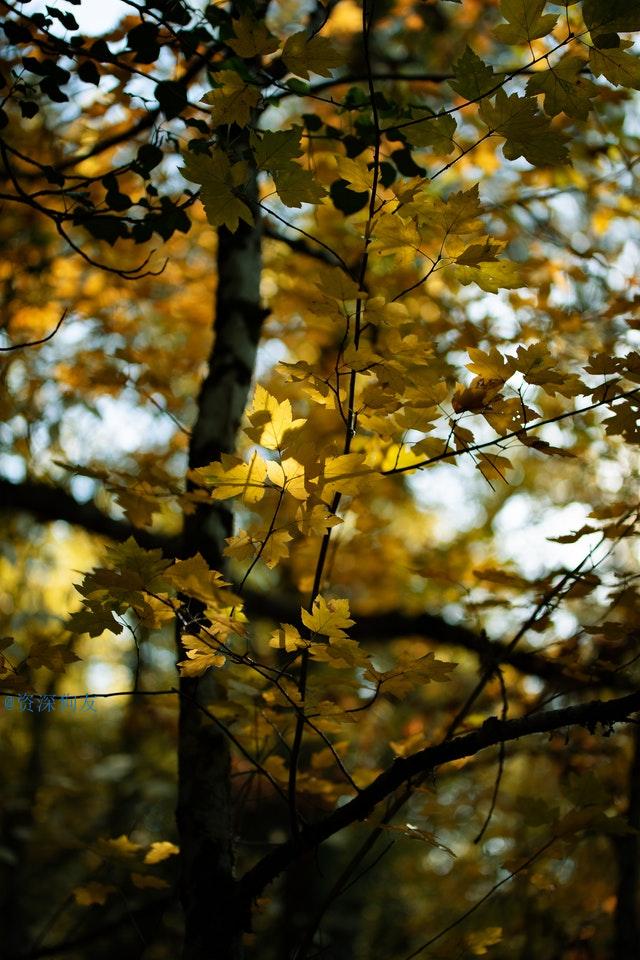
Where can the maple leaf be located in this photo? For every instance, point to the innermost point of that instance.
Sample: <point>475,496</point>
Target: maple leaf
<point>436,132</point>
<point>343,474</point>
<point>477,253</point>
<point>564,89</point>
<point>315,519</point>
<point>276,547</point>
<point>328,617</point>
<point>139,510</point>
<point>241,547</point>
<point>377,310</point>
<point>271,420</point>
<point>481,940</point>
<point>410,672</point>
<point>492,365</point>
<point>120,847</point>
<point>160,850</point>
<point>93,620</point>
<point>526,21</point>
<point>490,275</point>
<point>455,215</point>
<point>341,653</point>
<point>527,132</point>
<point>288,475</point>
<point>493,467</point>
<point>53,656</point>
<point>618,66</point>
<point>288,638</point>
<point>476,396</point>
<point>92,892</point>
<point>355,172</point>
<point>252,38</point>
<point>275,151</point>
<point>194,578</point>
<point>244,480</point>
<point>304,55</point>
<point>201,655</point>
<point>218,189</point>
<point>145,881</point>
<point>232,100</point>
<point>473,78</point>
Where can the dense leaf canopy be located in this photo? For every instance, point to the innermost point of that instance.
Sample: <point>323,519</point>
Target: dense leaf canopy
<point>319,474</point>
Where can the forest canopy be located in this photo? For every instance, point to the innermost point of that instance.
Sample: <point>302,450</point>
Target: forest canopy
<point>319,479</point>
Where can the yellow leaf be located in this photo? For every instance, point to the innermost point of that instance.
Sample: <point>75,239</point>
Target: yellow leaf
<point>200,656</point>
<point>315,520</point>
<point>340,652</point>
<point>481,252</point>
<point>344,474</point>
<point>147,881</point>
<point>288,475</point>
<point>328,617</point>
<point>490,276</point>
<point>276,548</point>
<point>493,467</point>
<point>491,365</point>
<point>194,578</point>
<point>271,420</point>
<point>287,638</point>
<point>119,847</point>
<point>160,850</point>
<point>479,942</point>
<point>241,547</point>
<point>244,480</point>
<point>92,893</point>
<point>355,172</point>
<point>378,311</point>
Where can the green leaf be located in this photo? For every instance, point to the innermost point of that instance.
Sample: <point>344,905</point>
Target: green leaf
<point>304,55</point>
<point>276,151</point>
<point>611,16</point>
<point>436,132</point>
<point>527,132</point>
<point>252,38</point>
<point>473,77</point>
<point>526,21</point>
<point>232,101</point>
<point>215,176</point>
<point>564,89</point>
<point>620,68</point>
<point>296,186</point>
<point>491,276</point>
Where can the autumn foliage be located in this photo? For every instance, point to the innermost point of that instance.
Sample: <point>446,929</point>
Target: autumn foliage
<point>321,399</point>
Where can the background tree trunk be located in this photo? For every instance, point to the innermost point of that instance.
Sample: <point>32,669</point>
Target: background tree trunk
<point>204,815</point>
<point>627,928</point>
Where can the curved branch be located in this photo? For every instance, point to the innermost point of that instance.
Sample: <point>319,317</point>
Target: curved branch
<point>36,343</point>
<point>403,769</point>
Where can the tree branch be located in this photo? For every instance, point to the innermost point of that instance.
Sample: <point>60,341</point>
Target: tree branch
<point>491,733</point>
<point>48,503</point>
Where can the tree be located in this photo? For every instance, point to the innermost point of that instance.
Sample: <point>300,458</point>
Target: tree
<point>415,224</point>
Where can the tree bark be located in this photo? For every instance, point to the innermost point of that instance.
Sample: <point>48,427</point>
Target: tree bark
<point>213,925</point>
<point>627,927</point>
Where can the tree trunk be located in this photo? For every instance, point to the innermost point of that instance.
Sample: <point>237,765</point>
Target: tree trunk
<point>213,924</point>
<point>627,928</point>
